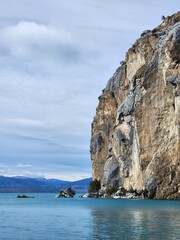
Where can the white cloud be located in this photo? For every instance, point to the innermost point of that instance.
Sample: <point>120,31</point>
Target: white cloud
<point>31,40</point>
<point>25,122</point>
<point>2,166</point>
<point>24,166</point>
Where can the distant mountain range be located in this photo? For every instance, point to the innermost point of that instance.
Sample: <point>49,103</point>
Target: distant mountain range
<point>27,185</point>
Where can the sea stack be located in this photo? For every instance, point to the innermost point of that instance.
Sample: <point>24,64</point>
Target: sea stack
<point>135,142</point>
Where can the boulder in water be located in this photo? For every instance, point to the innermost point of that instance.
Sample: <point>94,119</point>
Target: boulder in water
<point>24,196</point>
<point>67,193</point>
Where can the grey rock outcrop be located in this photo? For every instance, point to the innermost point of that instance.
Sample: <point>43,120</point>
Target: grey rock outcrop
<point>66,193</point>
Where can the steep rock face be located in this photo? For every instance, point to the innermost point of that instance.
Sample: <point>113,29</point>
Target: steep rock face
<point>135,141</point>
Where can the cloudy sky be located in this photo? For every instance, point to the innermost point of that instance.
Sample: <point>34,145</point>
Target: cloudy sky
<point>55,58</point>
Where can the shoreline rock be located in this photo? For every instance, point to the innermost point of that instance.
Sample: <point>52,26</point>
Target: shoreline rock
<point>90,195</point>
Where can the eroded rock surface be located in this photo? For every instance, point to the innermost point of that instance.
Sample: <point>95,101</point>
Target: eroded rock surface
<point>135,140</point>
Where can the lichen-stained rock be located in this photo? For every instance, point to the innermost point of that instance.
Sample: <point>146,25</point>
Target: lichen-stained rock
<point>135,142</point>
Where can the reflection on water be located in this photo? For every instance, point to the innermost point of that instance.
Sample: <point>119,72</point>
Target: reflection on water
<point>143,223</point>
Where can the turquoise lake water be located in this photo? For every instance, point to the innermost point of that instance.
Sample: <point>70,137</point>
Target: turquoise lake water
<point>48,218</point>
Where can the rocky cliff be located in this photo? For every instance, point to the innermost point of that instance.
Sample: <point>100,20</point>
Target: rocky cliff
<point>135,143</point>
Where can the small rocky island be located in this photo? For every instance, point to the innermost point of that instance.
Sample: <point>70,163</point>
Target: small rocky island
<point>135,142</point>
<point>66,193</point>
<point>24,196</point>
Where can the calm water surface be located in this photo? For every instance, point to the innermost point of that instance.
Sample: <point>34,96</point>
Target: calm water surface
<point>47,218</point>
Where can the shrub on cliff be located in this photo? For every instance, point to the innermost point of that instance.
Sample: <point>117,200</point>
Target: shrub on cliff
<point>94,186</point>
